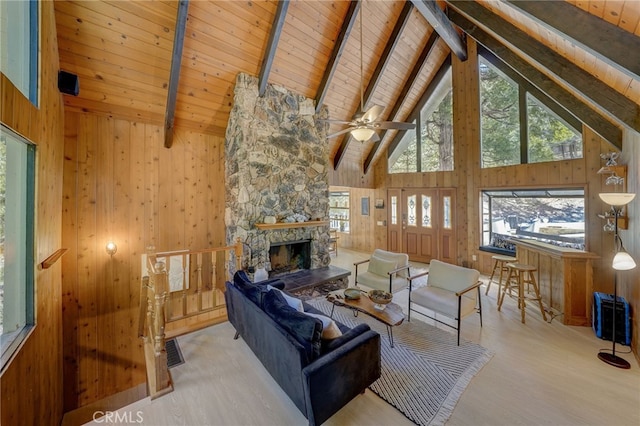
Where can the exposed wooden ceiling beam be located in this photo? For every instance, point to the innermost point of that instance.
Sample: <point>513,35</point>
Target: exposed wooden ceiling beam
<point>174,75</point>
<point>604,40</point>
<point>439,21</point>
<point>426,94</point>
<point>338,48</point>
<point>603,96</point>
<point>560,95</point>
<point>272,45</point>
<point>408,84</point>
<point>377,74</point>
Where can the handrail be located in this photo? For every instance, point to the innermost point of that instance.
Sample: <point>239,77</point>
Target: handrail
<point>199,295</point>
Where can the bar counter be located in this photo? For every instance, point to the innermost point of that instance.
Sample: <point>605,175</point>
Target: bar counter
<point>565,278</point>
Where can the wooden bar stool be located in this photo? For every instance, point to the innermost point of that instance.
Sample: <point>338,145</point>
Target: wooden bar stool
<point>500,262</point>
<point>519,275</point>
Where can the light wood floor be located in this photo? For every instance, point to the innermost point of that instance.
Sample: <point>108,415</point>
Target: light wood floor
<point>541,374</point>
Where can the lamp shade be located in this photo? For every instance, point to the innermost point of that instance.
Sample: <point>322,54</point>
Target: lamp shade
<point>617,198</point>
<point>362,134</point>
<point>623,261</point>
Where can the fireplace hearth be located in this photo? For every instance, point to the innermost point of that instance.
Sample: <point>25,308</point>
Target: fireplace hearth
<point>289,256</point>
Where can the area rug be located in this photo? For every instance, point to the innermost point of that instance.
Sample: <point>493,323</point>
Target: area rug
<point>425,373</point>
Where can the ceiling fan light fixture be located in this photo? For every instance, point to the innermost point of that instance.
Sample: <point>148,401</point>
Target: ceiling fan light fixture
<point>362,134</point>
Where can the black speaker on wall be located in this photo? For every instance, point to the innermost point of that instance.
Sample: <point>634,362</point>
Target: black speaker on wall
<point>68,83</point>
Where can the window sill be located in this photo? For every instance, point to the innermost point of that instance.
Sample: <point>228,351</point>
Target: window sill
<point>497,250</point>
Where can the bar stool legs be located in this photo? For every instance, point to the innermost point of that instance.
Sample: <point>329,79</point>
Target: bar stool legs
<point>500,262</point>
<point>519,275</point>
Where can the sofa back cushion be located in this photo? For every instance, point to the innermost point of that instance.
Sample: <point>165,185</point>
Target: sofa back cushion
<point>305,329</point>
<point>249,289</point>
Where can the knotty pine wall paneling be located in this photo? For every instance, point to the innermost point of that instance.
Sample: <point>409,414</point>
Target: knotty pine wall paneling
<point>122,185</point>
<point>469,178</point>
<point>31,388</point>
<point>629,282</point>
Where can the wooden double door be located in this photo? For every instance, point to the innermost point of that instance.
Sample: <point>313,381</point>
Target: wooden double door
<point>421,222</point>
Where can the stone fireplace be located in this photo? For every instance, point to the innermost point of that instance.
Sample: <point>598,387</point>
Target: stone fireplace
<point>277,189</point>
<point>289,256</point>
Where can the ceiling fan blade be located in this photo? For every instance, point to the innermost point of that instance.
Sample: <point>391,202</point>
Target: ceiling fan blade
<point>341,132</point>
<point>374,138</point>
<point>372,113</point>
<point>330,121</point>
<point>394,125</point>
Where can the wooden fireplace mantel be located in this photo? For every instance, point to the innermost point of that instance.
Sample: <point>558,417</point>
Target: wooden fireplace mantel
<point>285,225</point>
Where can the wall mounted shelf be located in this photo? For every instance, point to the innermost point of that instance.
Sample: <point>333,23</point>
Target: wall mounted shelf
<point>286,225</point>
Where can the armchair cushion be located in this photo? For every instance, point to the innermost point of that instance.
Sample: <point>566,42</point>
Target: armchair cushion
<point>443,301</point>
<point>380,266</point>
<point>451,290</point>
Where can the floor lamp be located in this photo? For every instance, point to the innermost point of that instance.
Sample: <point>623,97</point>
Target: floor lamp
<point>622,261</point>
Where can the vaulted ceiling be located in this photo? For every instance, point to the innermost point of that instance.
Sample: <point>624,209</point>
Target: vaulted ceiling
<point>123,51</point>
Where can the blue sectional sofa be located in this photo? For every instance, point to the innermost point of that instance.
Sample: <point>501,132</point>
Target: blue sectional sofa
<point>320,375</point>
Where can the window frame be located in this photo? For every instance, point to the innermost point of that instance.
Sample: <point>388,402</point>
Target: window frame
<point>525,88</point>
<point>486,224</point>
<point>31,60</point>
<point>11,342</point>
<point>336,220</point>
<point>415,116</point>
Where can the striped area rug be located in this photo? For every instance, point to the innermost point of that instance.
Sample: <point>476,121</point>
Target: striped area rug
<point>425,373</point>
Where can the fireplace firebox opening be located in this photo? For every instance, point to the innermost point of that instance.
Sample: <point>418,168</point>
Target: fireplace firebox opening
<point>289,256</point>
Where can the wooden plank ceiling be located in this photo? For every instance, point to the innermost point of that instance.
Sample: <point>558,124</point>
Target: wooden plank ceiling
<point>122,53</point>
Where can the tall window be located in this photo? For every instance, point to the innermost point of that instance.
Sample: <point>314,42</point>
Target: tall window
<point>518,126</point>
<point>405,157</point>
<point>19,45</point>
<point>17,177</point>
<point>555,216</point>
<point>436,129</point>
<point>430,147</point>
<point>500,118</point>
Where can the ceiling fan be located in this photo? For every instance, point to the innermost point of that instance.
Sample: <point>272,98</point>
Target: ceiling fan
<point>364,124</point>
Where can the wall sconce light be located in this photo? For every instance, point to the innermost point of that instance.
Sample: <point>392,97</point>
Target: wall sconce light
<point>111,248</point>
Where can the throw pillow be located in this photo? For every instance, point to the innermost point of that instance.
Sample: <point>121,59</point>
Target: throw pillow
<point>330,329</point>
<point>291,301</point>
<point>252,291</point>
<point>381,266</point>
<point>304,329</point>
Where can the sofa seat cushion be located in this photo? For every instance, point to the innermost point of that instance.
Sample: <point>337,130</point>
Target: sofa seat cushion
<point>440,301</point>
<point>302,327</point>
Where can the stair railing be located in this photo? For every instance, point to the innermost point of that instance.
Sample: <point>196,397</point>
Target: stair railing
<point>181,291</point>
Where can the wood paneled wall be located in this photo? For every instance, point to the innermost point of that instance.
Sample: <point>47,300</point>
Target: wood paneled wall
<point>469,179</point>
<point>31,386</point>
<point>630,280</point>
<point>361,235</point>
<point>122,185</point>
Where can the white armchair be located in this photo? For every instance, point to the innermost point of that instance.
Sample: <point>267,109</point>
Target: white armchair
<point>452,291</point>
<point>386,271</point>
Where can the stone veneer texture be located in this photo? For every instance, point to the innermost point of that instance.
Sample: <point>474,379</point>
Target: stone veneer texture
<point>276,162</point>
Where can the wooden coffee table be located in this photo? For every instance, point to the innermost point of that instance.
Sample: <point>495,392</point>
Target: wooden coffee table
<point>390,316</point>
